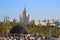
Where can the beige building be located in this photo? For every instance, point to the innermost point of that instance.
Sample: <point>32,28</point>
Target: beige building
<point>24,17</point>
<point>34,22</point>
<point>6,19</point>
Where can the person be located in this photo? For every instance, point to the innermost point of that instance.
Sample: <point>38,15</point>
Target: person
<point>28,37</point>
<point>21,37</point>
<point>25,38</point>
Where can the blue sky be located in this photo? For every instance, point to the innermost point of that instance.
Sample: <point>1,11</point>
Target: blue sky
<point>38,9</point>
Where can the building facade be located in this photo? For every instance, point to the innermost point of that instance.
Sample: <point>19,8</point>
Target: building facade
<point>6,19</point>
<point>24,17</point>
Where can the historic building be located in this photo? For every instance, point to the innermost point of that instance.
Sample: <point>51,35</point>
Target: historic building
<point>24,18</point>
<point>6,19</point>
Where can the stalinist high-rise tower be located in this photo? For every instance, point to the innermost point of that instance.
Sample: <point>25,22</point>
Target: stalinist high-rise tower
<point>24,17</point>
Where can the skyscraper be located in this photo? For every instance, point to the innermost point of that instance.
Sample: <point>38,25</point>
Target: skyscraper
<point>24,18</point>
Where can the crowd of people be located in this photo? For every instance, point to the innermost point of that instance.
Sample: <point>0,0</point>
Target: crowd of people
<point>26,37</point>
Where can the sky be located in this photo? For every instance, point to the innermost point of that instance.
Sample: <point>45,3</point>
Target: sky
<point>38,9</point>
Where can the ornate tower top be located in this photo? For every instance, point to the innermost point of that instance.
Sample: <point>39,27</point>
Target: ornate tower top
<point>25,8</point>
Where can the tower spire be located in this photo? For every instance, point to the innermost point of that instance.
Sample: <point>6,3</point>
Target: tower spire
<point>25,6</point>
